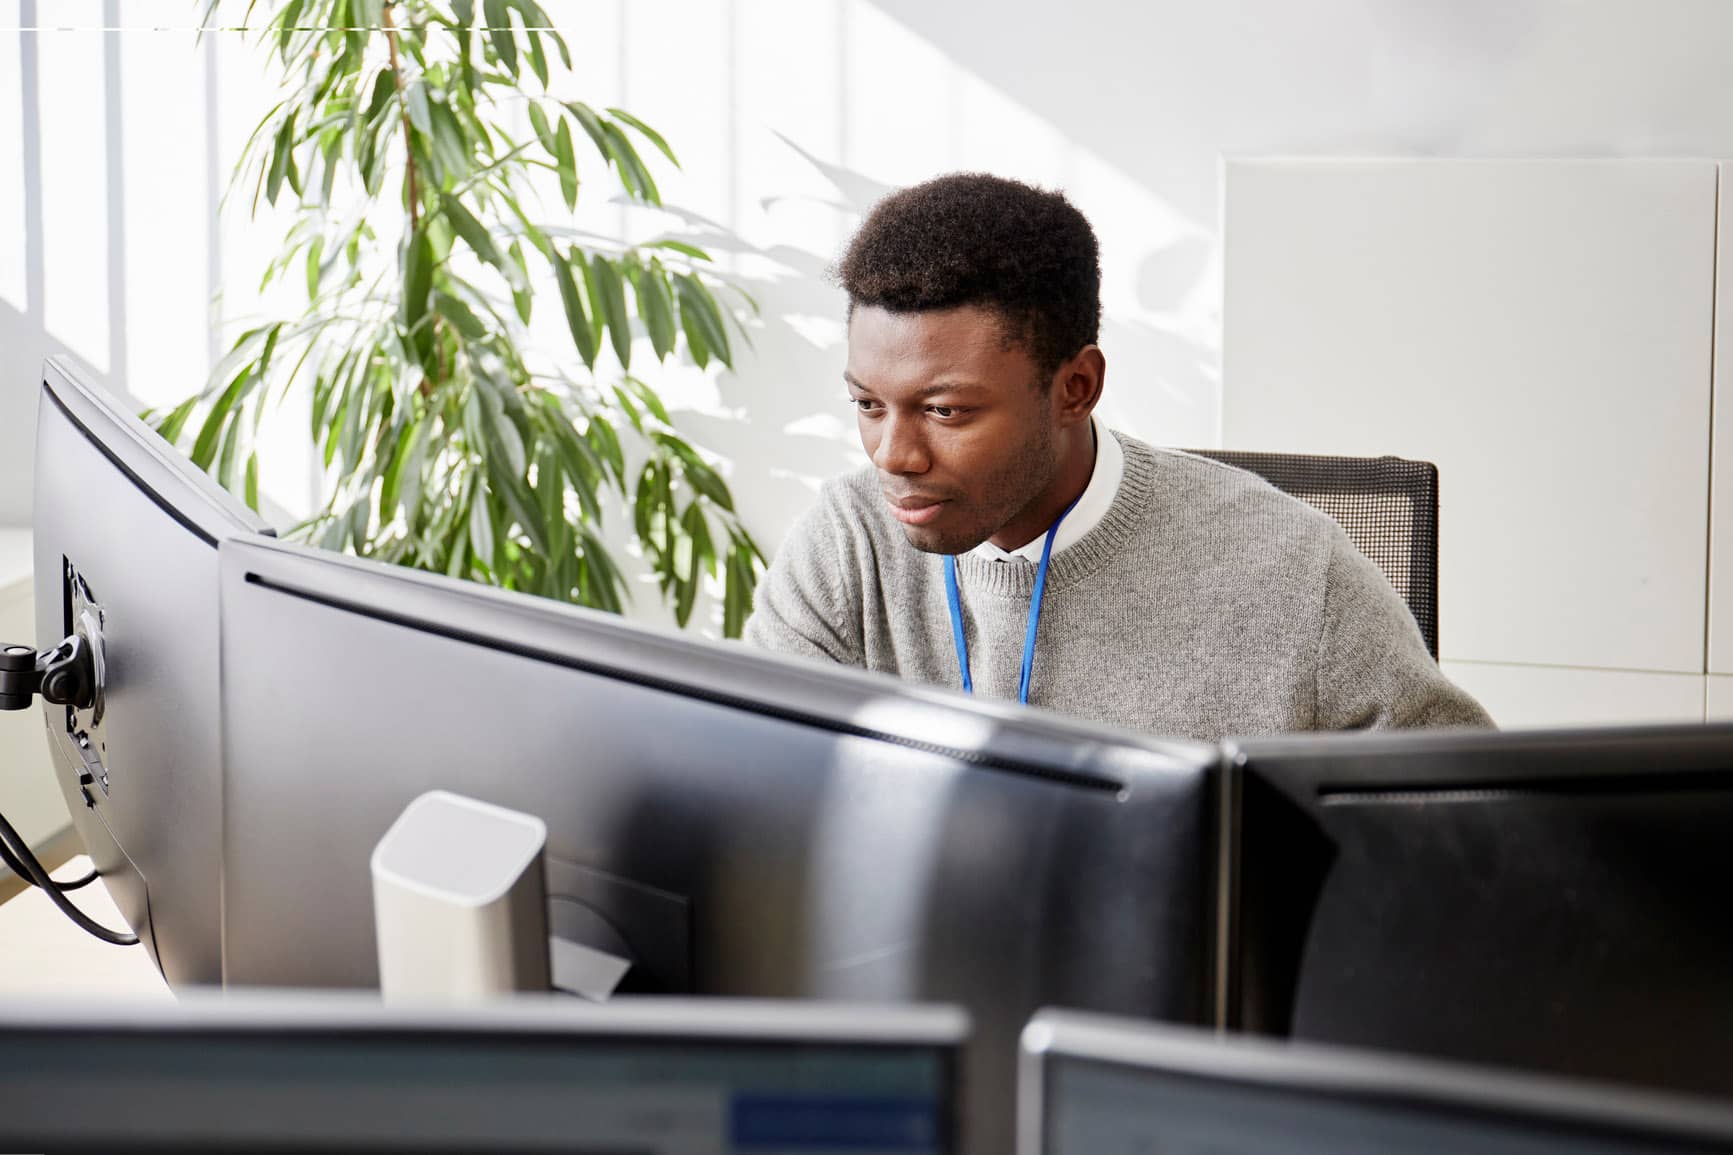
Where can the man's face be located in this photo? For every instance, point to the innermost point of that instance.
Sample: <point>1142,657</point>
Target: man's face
<point>956,420</point>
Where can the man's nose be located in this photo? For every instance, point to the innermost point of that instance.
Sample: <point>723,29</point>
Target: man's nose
<point>901,449</point>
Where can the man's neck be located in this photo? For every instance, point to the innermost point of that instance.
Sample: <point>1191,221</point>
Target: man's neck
<point>1039,515</point>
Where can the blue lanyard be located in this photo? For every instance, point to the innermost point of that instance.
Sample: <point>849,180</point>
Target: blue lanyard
<point>956,603</point>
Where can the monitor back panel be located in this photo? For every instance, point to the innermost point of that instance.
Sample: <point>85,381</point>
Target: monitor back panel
<point>126,533</point>
<point>736,824</point>
<point>1557,902</point>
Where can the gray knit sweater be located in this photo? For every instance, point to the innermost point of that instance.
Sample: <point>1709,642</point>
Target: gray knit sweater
<point>1204,604</point>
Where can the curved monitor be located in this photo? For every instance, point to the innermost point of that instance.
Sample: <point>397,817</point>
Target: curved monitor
<point>126,532</point>
<point>1550,900</point>
<point>731,822</point>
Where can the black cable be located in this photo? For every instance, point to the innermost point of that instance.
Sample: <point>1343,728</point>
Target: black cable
<point>17,850</point>
<point>16,867</point>
<point>77,882</point>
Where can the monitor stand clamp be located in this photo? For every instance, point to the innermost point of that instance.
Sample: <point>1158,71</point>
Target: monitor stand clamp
<point>64,675</point>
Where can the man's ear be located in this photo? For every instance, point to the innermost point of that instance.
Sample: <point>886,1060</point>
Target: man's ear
<point>1077,385</point>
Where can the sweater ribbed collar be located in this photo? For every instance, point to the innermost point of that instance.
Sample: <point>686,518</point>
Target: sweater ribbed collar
<point>1095,549</point>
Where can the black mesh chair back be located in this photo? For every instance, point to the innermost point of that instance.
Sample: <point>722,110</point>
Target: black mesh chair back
<point>1388,505</point>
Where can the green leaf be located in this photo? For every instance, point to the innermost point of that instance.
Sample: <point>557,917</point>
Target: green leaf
<point>692,251</point>
<point>644,501</point>
<point>608,299</point>
<point>697,527</point>
<point>707,482</point>
<point>227,457</point>
<point>568,165</point>
<point>544,131</point>
<point>738,585</point>
<point>417,277</point>
<point>477,238</point>
<point>606,443</point>
<point>592,126</point>
<point>205,447</point>
<point>499,32</point>
<point>460,315</point>
<point>631,166</point>
<point>698,310</point>
<point>656,307</point>
<point>519,500</point>
<point>646,131</point>
<point>630,407</point>
<point>550,489</point>
<point>420,116</point>
<point>503,437</point>
<point>280,157</point>
<point>538,58</point>
<point>170,427</point>
<point>520,296</point>
<point>583,335</point>
<point>450,143</point>
<point>648,396</point>
<point>407,444</point>
<point>252,484</point>
<point>383,88</point>
<point>286,22</point>
<point>481,527</point>
<point>580,464</point>
<point>313,252</point>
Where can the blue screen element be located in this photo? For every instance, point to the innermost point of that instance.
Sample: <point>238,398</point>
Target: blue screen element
<point>781,1123</point>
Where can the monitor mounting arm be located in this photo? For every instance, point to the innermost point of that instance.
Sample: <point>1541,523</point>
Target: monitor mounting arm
<point>65,675</point>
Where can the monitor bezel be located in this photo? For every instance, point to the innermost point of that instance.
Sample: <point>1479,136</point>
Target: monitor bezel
<point>1351,1076</point>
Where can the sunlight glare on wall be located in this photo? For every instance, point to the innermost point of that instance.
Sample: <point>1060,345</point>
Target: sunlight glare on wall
<point>167,293</point>
<point>13,286</point>
<point>74,178</point>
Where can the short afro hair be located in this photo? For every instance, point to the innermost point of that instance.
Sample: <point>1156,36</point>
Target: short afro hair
<point>975,239</point>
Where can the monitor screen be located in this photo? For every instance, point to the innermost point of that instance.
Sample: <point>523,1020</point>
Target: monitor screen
<point>126,532</point>
<point>660,1078</point>
<point>1548,900</point>
<point>729,822</point>
<point>1105,1087</point>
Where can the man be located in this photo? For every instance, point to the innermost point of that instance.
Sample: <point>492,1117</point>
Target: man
<point>1003,540</point>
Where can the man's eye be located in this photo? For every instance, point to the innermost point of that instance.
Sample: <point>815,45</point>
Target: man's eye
<point>942,410</point>
<point>864,404</point>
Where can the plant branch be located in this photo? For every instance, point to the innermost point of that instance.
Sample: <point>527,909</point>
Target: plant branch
<point>403,114</point>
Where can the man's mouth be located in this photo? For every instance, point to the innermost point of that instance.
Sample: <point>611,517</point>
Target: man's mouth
<point>915,510</point>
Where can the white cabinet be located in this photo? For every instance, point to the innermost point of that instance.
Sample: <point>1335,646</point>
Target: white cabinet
<point>1542,330</point>
<point>1721,475</point>
<point>1529,697</point>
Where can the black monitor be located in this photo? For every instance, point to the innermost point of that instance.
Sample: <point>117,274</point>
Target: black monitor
<point>126,532</point>
<point>293,1073</point>
<point>1551,900</point>
<point>732,822</point>
<point>1092,1085</point>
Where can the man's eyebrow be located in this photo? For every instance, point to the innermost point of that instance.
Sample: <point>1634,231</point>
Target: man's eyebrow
<point>932,390</point>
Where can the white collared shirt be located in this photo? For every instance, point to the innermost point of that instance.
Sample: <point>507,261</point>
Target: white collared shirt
<point>1090,508</point>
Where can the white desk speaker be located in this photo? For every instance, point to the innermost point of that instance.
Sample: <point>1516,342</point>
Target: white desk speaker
<point>459,902</point>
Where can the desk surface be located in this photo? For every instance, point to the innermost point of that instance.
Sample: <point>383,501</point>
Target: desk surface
<point>41,950</point>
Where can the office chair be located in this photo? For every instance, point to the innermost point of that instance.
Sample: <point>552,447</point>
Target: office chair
<point>1388,505</point>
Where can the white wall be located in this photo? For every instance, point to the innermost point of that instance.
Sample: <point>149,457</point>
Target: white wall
<point>792,115</point>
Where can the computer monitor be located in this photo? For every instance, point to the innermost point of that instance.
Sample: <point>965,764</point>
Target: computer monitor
<point>1551,900</point>
<point>126,532</point>
<point>1092,1085</point>
<point>733,822</point>
<point>293,1073</point>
